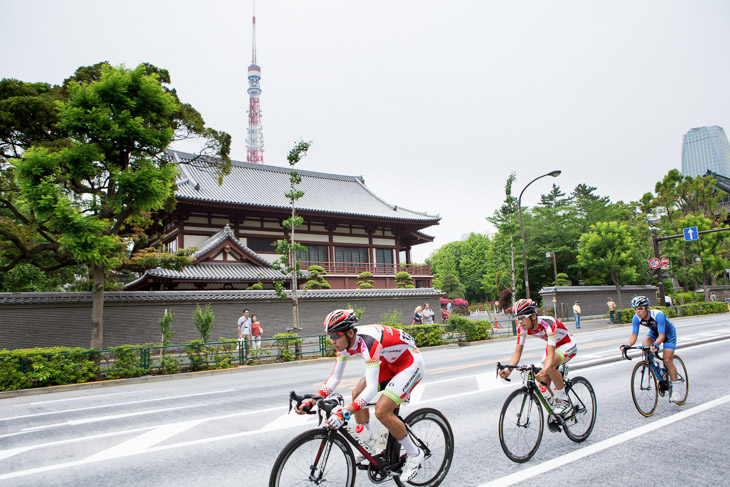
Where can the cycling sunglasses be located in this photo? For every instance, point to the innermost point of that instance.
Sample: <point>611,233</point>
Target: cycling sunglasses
<point>335,336</point>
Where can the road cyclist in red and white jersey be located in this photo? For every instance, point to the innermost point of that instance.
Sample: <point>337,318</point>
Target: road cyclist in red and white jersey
<point>393,364</point>
<point>561,347</point>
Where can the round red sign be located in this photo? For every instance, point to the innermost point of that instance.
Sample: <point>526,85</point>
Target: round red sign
<point>654,263</point>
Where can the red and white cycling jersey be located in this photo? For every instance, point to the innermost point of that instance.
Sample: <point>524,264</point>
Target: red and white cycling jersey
<point>387,352</point>
<point>549,329</point>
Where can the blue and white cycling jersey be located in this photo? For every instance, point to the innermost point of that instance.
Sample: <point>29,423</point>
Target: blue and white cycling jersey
<point>658,323</point>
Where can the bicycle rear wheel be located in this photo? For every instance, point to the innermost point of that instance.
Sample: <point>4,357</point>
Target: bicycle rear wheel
<point>313,459</point>
<point>682,380</point>
<point>579,423</point>
<point>521,425</point>
<point>644,390</point>
<point>432,433</point>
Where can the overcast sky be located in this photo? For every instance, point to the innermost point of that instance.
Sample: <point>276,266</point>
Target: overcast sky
<point>434,103</point>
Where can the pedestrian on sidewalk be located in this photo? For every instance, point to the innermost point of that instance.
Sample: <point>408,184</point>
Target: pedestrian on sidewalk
<point>576,314</point>
<point>611,309</point>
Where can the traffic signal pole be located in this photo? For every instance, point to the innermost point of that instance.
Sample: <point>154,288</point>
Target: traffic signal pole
<point>656,240</point>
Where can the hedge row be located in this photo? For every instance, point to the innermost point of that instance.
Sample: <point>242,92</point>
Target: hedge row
<point>692,309</point>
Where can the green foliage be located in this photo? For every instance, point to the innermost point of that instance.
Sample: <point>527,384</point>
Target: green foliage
<point>365,280</point>
<point>426,335</point>
<point>41,367</point>
<point>358,311</point>
<point>453,288</point>
<point>287,344</point>
<point>255,287</point>
<point>316,279</point>
<point>472,330</point>
<point>127,362</point>
<point>203,321</point>
<point>166,329</point>
<point>197,353</point>
<point>82,193</point>
<point>688,297</point>
<point>403,280</point>
<point>563,279</point>
<point>393,318</point>
<point>693,309</point>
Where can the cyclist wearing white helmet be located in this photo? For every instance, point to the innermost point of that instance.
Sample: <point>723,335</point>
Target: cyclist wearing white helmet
<point>661,332</point>
<point>393,364</point>
<point>560,348</point>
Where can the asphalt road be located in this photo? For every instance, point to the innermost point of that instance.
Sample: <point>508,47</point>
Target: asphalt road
<point>227,429</point>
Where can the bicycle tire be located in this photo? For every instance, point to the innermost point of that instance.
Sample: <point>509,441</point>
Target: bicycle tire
<point>518,430</point>
<point>305,457</point>
<point>644,389</point>
<point>579,424</point>
<point>682,379</point>
<point>429,428</point>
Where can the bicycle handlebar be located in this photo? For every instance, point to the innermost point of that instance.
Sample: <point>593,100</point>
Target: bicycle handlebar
<point>625,349</point>
<point>533,368</point>
<point>326,405</point>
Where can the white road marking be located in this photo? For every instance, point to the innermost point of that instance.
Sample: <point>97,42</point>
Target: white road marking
<point>105,418</point>
<point>602,445</point>
<point>417,393</point>
<point>71,399</point>
<point>144,441</point>
<point>488,382</point>
<point>115,405</point>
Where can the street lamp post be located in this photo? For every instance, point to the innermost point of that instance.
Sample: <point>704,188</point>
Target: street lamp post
<point>549,254</point>
<point>522,230</point>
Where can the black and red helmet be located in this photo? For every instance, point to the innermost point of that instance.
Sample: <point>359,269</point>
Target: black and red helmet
<point>525,307</point>
<point>340,320</point>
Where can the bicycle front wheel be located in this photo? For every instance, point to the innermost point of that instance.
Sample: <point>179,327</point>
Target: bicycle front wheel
<point>315,457</point>
<point>644,390</point>
<point>431,432</point>
<point>520,426</point>
<point>682,380</point>
<point>580,421</point>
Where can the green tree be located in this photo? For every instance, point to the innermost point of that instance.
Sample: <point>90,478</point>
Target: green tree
<point>288,263</point>
<point>365,280</point>
<point>203,321</point>
<point>453,287</point>
<point>316,279</point>
<point>87,196</point>
<point>474,265</point>
<point>609,246</point>
<point>403,280</point>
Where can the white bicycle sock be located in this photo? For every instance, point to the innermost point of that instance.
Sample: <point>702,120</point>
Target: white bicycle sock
<point>411,448</point>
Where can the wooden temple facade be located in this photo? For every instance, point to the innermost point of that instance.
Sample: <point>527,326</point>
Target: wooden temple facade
<point>347,230</point>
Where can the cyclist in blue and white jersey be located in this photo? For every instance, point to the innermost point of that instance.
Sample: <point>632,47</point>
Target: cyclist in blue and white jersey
<point>661,332</point>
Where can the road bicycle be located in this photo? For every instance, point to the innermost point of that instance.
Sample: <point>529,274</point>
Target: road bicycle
<point>521,422</point>
<point>323,456</point>
<point>649,380</point>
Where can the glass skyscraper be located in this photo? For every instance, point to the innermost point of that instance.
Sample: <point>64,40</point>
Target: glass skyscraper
<point>705,148</point>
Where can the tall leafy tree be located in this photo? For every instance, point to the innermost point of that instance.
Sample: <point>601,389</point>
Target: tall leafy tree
<point>88,196</point>
<point>502,255</point>
<point>474,265</point>
<point>609,246</point>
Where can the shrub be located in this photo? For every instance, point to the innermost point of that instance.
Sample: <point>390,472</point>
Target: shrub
<point>392,319</point>
<point>288,342</point>
<point>365,281</point>
<point>197,352</point>
<point>472,330</point>
<point>315,280</point>
<point>40,367</point>
<point>255,287</point>
<point>128,362</point>
<point>203,321</point>
<point>403,280</point>
<point>425,335</point>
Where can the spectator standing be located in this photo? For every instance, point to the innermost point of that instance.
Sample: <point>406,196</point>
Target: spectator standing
<point>244,325</point>
<point>611,309</point>
<point>576,314</point>
<point>713,298</point>
<point>448,307</point>
<point>256,331</point>
<point>417,316</point>
<point>428,315</point>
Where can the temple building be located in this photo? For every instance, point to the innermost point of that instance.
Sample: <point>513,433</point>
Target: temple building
<point>347,230</point>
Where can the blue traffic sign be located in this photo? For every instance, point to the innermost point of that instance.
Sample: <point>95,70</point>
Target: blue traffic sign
<point>691,233</point>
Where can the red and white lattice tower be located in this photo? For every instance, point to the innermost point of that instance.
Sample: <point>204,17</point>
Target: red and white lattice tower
<point>255,139</point>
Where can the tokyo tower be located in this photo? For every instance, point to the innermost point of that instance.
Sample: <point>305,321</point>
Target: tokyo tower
<point>255,139</point>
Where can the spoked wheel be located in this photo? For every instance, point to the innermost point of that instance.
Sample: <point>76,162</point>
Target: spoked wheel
<point>644,389</point>
<point>682,380</point>
<point>520,426</point>
<point>431,432</point>
<point>312,459</point>
<point>580,421</point>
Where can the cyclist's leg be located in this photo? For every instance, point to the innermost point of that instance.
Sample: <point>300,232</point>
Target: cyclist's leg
<point>400,385</point>
<point>649,339</point>
<point>668,357</point>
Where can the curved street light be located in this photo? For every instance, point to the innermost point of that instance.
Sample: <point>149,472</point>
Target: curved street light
<point>522,231</point>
